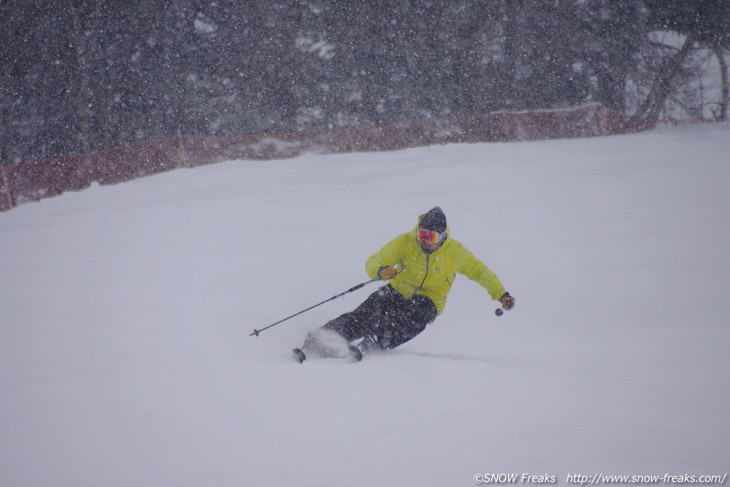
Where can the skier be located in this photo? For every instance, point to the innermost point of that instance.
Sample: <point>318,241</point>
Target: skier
<point>420,267</point>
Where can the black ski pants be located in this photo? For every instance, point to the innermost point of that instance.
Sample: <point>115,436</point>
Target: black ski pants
<point>387,315</point>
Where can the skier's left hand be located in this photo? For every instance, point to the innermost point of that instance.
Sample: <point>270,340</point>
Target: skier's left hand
<point>508,302</point>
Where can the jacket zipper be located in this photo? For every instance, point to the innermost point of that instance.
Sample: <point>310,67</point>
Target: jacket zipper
<point>428,259</point>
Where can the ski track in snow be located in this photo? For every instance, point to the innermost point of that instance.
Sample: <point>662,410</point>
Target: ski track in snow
<point>125,314</point>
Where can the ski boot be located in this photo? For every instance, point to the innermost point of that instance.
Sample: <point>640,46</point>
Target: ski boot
<point>370,344</point>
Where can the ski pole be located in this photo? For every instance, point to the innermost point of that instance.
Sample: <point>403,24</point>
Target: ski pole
<point>256,332</point>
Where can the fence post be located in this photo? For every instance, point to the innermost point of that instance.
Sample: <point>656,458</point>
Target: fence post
<point>6,186</point>
<point>182,152</point>
<point>350,145</point>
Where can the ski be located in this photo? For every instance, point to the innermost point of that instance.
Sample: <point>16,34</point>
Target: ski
<point>354,353</point>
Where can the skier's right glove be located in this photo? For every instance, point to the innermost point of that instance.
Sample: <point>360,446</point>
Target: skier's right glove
<point>508,302</point>
<point>387,272</point>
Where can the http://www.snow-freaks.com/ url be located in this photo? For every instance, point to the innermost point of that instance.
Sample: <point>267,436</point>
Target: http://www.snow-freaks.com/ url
<point>600,479</point>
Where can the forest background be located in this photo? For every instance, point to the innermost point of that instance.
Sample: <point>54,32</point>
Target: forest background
<point>94,74</point>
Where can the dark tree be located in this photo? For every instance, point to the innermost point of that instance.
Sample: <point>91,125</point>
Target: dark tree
<point>96,74</point>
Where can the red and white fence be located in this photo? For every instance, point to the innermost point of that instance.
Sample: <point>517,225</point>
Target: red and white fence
<point>32,181</point>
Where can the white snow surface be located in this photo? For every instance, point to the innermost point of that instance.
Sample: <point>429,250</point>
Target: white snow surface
<point>125,315</point>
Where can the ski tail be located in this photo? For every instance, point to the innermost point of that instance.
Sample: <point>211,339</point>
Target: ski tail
<point>355,353</point>
<point>299,355</point>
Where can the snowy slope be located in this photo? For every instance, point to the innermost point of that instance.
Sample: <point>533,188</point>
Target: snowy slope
<point>125,314</point>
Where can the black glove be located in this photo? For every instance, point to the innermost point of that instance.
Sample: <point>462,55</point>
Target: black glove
<point>508,302</point>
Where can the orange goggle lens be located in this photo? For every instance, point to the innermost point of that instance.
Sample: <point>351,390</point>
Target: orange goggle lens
<point>430,237</point>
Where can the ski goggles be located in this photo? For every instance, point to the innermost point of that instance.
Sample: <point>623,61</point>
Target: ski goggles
<point>430,237</point>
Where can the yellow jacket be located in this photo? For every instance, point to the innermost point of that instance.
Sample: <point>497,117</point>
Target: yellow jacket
<point>431,275</point>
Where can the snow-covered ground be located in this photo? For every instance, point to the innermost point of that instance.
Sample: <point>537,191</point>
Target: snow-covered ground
<point>125,314</point>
